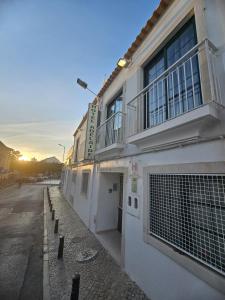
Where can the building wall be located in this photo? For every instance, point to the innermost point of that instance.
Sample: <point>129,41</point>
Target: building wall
<point>81,136</point>
<point>4,159</point>
<point>131,79</point>
<point>107,212</point>
<point>157,274</point>
<point>160,275</point>
<point>80,202</point>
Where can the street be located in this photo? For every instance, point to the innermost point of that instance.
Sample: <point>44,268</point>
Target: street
<point>21,237</point>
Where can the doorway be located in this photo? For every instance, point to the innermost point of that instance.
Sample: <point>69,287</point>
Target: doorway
<point>109,217</point>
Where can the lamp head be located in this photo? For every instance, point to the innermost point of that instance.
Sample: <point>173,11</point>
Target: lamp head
<point>123,62</point>
<point>82,83</point>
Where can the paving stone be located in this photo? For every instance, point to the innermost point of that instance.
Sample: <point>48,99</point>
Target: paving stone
<point>100,278</point>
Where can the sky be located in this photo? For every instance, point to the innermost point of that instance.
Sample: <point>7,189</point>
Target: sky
<point>44,46</point>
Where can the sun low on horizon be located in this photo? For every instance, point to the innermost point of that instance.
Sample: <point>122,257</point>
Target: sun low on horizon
<point>24,158</point>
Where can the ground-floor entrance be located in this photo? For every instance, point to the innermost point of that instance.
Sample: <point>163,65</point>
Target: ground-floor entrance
<point>109,217</point>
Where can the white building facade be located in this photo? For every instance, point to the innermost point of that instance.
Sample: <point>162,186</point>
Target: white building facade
<point>153,189</point>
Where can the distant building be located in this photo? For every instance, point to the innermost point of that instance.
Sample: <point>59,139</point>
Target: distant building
<point>51,160</point>
<point>152,185</point>
<point>5,156</point>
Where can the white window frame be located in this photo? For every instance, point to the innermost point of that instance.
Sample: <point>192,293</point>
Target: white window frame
<point>206,274</point>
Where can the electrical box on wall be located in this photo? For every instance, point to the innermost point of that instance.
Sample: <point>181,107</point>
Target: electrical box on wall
<point>134,185</point>
<point>133,205</point>
<point>133,199</point>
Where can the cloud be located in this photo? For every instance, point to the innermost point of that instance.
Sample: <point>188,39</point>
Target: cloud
<point>39,139</point>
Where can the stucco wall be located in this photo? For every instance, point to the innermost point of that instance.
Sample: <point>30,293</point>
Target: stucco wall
<point>81,202</point>
<point>107,213</point>
<point>81,136</point>
<point>158,275</point>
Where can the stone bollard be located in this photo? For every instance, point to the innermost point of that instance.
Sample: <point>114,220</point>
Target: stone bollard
<point>56,226</point>
<point>53,215</point>
<point>48,193</point>
<point>75,287</point>
<point>61,246</point>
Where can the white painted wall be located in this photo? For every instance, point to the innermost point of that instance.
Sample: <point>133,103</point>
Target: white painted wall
<point>81,135</point>
<point>81,202</point>
<point>107,213</point>
<point>159,276</point>
<point>131,79</point>
<point>215,24</point>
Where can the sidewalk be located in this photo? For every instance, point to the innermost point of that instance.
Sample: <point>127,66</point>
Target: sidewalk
<point>100,277</point>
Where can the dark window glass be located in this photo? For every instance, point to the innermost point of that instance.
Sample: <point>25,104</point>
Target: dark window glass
<point>114,125</point>
<point>179,91</point>
<point>114,107</point>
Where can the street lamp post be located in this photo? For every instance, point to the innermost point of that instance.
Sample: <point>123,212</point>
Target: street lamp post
<point>84,85</point>
<point>64,149</point>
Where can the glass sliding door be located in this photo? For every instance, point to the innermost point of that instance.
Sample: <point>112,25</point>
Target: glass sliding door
<point>114,125</point>
<point>155,100</point>
<point>179,90</point>
<point>184,92</point>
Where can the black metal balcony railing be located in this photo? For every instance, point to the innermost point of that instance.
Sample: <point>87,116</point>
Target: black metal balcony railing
<point>110,131</point>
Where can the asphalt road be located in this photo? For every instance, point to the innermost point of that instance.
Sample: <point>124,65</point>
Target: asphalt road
<point>21,237</point>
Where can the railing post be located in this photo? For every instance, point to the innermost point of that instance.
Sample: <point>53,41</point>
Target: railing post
<point>209,70</point>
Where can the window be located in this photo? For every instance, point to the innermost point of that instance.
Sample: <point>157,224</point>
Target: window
<point>176,92</point>
<point>85,180</point>
<point>77,149</point>
<point>114,125</point>
<point>188,212</point>
<point>114,106</point>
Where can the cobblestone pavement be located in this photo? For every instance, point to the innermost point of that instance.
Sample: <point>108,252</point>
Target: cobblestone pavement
<point>101,277</point>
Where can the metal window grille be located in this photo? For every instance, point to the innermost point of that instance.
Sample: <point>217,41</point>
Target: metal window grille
<point>188,212</point>
<point>85,179</point>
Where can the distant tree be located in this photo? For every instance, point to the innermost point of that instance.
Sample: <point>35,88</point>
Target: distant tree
<point>14,159</point>
<point>33,159</point>
<point>15,155</point>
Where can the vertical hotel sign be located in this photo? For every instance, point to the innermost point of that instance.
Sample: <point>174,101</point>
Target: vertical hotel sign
<point>91,131</point>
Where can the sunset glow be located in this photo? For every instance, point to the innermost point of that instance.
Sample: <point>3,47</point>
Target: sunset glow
<point>24,157</point>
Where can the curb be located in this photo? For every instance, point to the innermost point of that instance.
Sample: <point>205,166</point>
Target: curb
<point>46,287</point>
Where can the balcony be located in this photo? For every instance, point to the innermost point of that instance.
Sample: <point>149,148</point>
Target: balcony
<point>110,134</point>
<point>187,92</point>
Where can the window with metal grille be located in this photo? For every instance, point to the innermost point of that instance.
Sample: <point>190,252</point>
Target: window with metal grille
<point>188,212</point>
<point>84,186</point>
